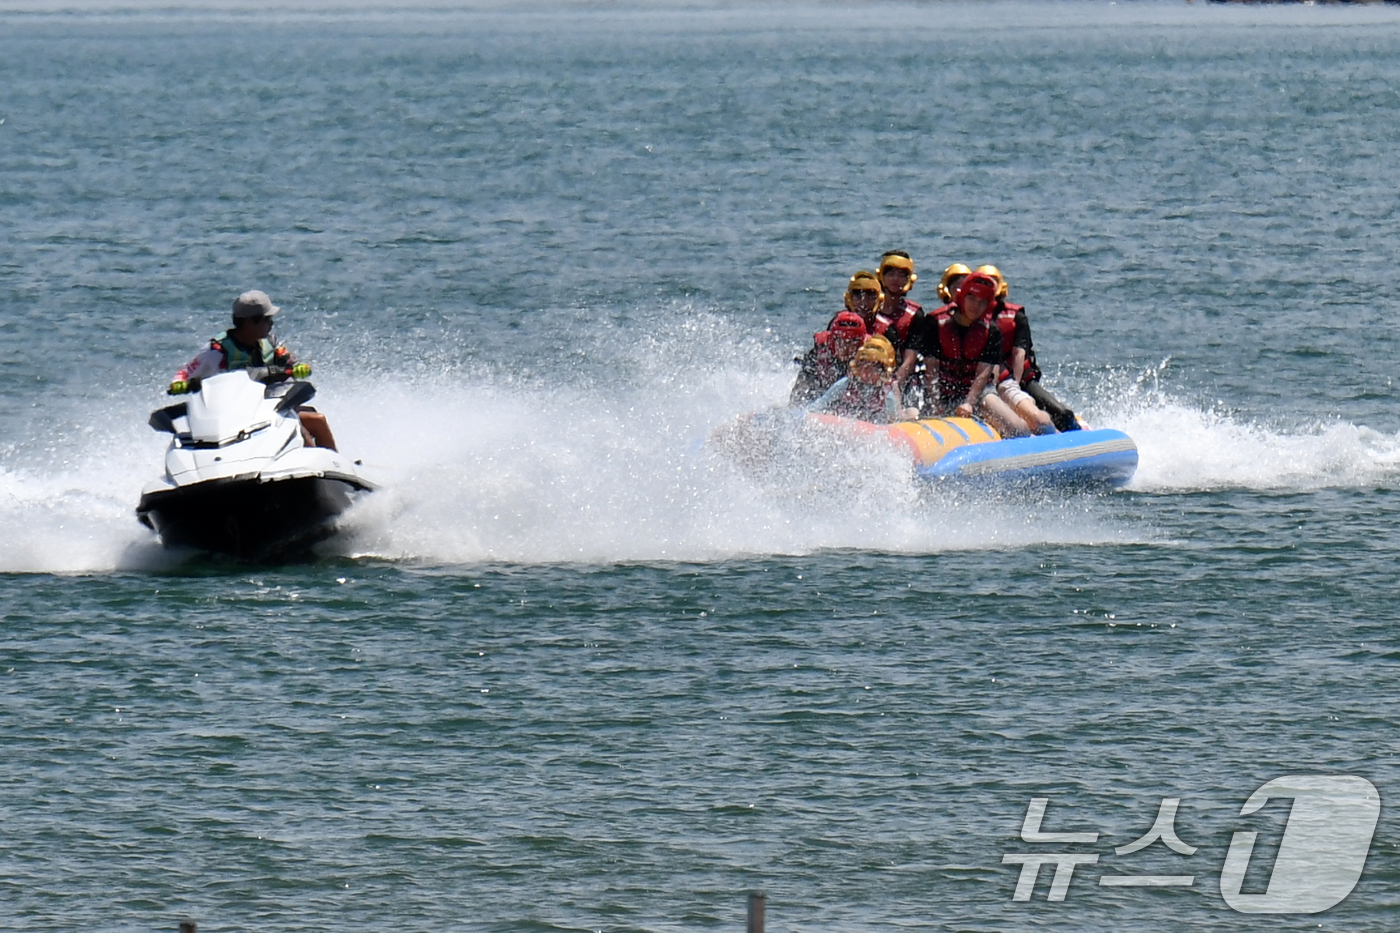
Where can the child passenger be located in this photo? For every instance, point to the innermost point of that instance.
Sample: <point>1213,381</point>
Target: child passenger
<point>869,393</point>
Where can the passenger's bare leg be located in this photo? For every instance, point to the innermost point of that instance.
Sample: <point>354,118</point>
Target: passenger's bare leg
<point>1040,421</point>
<point>315,427</point>
<point>1037,420</point>
<point>1001,417</point>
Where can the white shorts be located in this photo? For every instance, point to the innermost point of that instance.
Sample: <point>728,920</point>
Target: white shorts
<point>1012,394</point>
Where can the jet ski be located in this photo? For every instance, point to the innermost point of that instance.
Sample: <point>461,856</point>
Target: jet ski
<point>238,478</point>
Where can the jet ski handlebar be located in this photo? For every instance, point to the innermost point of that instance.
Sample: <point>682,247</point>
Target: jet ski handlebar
<point>256,373</point>
<point>285,384</point>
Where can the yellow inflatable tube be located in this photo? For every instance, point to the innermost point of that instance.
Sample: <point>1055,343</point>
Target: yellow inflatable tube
<point>928,441</point>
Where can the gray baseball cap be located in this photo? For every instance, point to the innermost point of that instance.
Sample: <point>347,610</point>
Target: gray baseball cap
<point>254,304</point>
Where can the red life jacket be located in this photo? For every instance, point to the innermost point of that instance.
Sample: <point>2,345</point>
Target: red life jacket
<point>900,322</point>
<point>959,354</point>
<point>1005,321</point>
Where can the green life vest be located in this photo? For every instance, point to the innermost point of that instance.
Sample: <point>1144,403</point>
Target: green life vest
<point>235,357</point>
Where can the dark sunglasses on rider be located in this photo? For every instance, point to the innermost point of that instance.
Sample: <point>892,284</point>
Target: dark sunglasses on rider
<point>867,292</point>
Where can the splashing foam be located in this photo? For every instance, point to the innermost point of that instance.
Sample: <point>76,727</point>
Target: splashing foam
<point>608,461</point>
<point>1183,448</point>
<point>616,466</point>
<point>68,497</point>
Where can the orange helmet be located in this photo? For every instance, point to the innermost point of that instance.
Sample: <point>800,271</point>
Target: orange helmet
<point>956,271</point>
<point>865,281</point>
<point>995,273</point>
<point>898,259</point>
<point>876,349</point>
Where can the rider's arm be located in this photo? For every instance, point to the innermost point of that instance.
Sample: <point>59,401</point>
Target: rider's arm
<point>979,382</point>
<point>1021,344</point>
<point>208,363</point>
<point>906,366</point>
<point>830,396</point>
<point>1018,363</point>
<point>991,356</point>
<point>894,406</point>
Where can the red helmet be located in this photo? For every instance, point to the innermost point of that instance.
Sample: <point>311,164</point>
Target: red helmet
<point>978,283</point>
<point>848,325</point>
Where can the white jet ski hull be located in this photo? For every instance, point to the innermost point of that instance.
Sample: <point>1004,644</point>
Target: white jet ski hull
<point>238,478</point>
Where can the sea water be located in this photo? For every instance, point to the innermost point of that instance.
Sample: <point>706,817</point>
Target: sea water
<point>572,668</point>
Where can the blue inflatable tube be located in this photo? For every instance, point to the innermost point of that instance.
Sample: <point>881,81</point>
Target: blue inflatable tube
<point>1102,457</point>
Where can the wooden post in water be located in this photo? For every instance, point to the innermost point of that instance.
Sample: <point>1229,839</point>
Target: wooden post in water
<point>189,926</point>
<point>756,902</point>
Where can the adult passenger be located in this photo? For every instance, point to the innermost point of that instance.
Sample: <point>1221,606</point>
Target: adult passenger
<point>896,274</point>
<point>951,279</point>
<point>247,345</point>
<point>1020,361</point>
<point>897,277</point>
<point>961,349</point>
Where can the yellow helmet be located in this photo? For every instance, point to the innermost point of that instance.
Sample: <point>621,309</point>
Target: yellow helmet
<point>865,281</point>
<point>956,270</point>
<point>876,349</point>
<point>995,273</point>
<point>898,259</point>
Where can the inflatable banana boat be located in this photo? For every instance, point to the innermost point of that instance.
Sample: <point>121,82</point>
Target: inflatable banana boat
<point>945,449</point>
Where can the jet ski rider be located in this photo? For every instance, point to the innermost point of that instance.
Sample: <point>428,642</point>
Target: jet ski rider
<point>246,345</point>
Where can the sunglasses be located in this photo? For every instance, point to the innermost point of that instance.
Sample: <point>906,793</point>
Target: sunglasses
<point>864,292</point>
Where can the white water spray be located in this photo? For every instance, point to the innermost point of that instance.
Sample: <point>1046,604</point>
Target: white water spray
<point>608,462</point>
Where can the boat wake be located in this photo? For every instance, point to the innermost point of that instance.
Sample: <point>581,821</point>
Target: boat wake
<point>608,462</point>
<point>1187,447</point>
